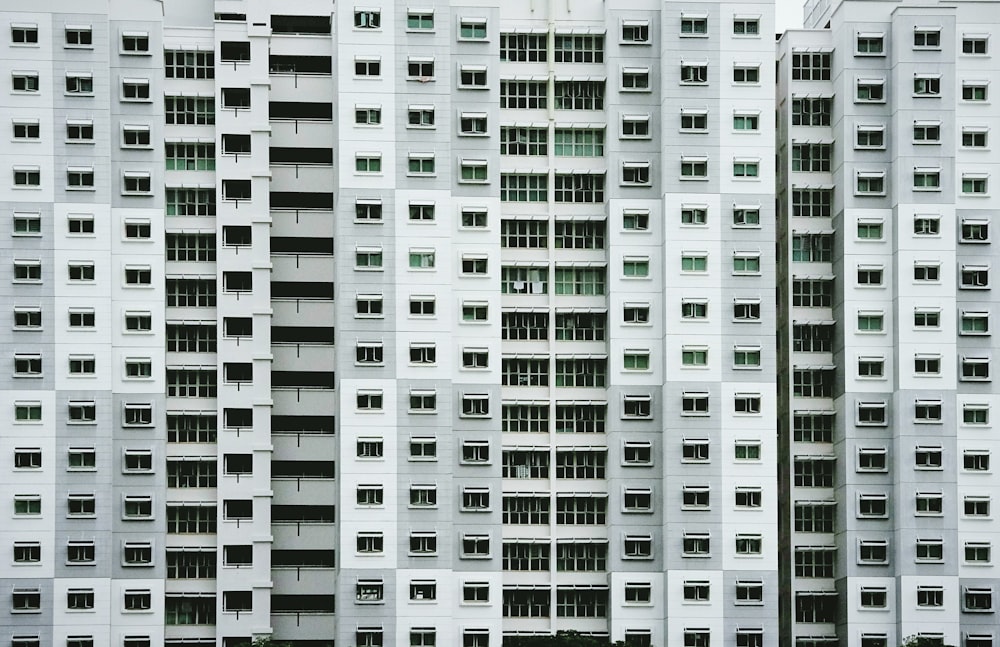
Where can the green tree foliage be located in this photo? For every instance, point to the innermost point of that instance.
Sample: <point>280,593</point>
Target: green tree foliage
<point>922,641</point>
<point>560,639</point>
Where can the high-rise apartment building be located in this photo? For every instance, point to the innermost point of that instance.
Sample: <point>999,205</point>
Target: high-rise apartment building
<point>887,192</point>
<point>387,323</point>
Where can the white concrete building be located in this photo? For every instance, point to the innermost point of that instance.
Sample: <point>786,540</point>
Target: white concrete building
<point>886,198</point>
<point>390,323</point>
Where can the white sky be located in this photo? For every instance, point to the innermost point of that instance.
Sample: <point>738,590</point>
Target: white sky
<point>787,14</point>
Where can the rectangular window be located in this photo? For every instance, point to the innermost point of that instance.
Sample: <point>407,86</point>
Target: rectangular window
<point>811,66</point>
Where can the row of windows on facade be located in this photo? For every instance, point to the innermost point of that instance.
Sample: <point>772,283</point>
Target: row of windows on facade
<point>818,111</point>
<point>520,464</point>
<point>821,561</point>
<point>570,509</point>
<point>79,36</point>
<point>818,292</point>
<point>588,556</point>
<point>536,602</point>
<point>817,516</point>
<point>871,89</point>
<point>817,427</point>
<point>816,66</point>
<point>519,324</point>
<point>813,247</point>
<point>881,639</point>
<point>566,141</point>
<point>869,183</point>
<point>817,606</point>
<point>568,46</point>
<point>820,382</point>
<point>818,337</point>
<point>589,464</point>
<point>633,405</point>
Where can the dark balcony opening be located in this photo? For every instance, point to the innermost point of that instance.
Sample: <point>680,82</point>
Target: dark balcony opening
<point>302,424</point>
<point>302,559</point>
<point>301,245</point>
<point>302,156</point>
<point>234,51</point>
<point>301,290</point>
<point>300,24</point>
<point>302,379</point>
<point>301,201</point>
<point>302,514</point>
<point>297,64</point>
<point>311,335</point>
<point>302,469</point>
<point>300,111</point>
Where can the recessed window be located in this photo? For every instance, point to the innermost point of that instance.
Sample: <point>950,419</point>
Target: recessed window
<point>27,177</point>
<point>927,85</point>
<point>79,36</point>
<point>419,21</point>
<point>367,66</point>
<point>472,29</point>
<point>746,26</point>
<point>24,81</point>
<point>367,19</point>
<point>80,178</point>
<point>24,34</point>
<point>635,126</point>
<point>746,73</point>
<point>870,44</point>
<point>694,120</point>
<point>974,184</point>
<point>870,91</point>
<point>135,42</point>
<point>927,38</point>
<point>368,163</point>
<point>694,168</point>
<point>694,73</point>
<point>26,129</point>
<point>635,79</point>
<point>635,32</point>
<point>79,83</point>
<point>870,183</point>
<point>870,137</point>
<point>694,25</point>
<point>743,122</point>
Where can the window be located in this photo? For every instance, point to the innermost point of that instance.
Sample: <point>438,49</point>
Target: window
<point>635,32</point>
<point>27,177</point>
<point>974,184</point>
<point>870,183</point>
<point>870,137</point>
<point>421,21</point>
<point>871,413</point>
<point>974,277</point>
<point>635,267</point>
<point>926,38</point>
<point>26,129</point>
<point>27,504</point>
<point>578,95</point>
<point>635,126</point>
<point>974,90</point>
<point>523,94</point>
<point>24,81</point>
<point>367,66</point>
<point>694,73</point>
<point>635,79</point>
<point>189,110</point>
<point>135,90</point>
<point>473,123</point>
<point>746,74</point>
<point>26,224</point>
<point>368,211</point>
<point>976,460</point>
<point>25,600</point>
<point>975,44</point>
<point>927,85</point>
<point>421,259</point>
<point>80,83</point>
<point>367,19</point>
<point>869,44</point>
<point>27,552</point>
<point>977,552</point>
<point>746,26</point>
<point>746,263</point>
<point>472,29</point>
<point>694,25</point>
<point>78,36</point>
<point>420,69</point>
<point>743,122</point>
<point>974,323</point>
<point>873,552</point>
<point>870,91</point>
<point>134,42</point>
<point>976,506</point>
<point>472,77</point>
<point>179,64</point>
<point>572,142</point>
<point>811,66</point>
<point>746,310</point>
<point>24,34</point>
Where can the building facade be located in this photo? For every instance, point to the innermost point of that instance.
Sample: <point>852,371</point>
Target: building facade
<point>268,381</point>
<point>885,206</point>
